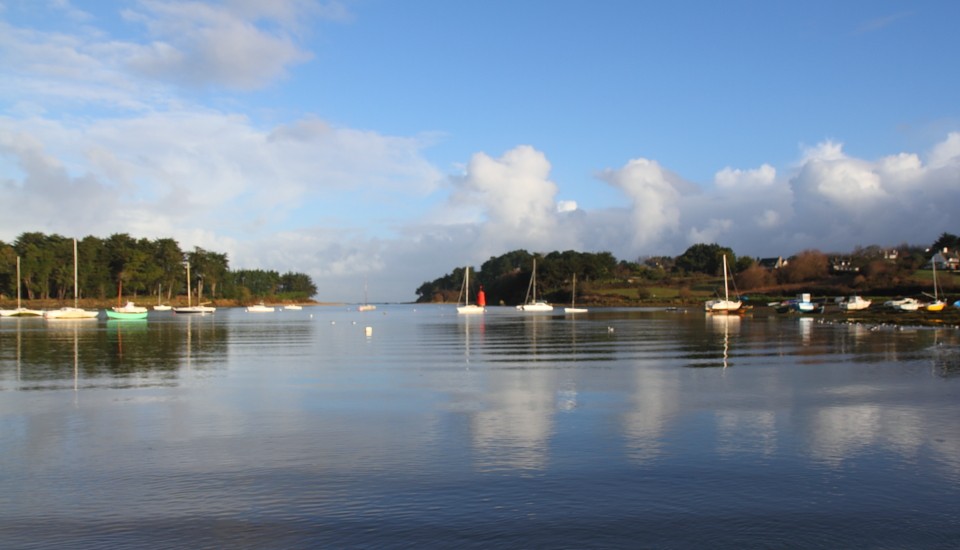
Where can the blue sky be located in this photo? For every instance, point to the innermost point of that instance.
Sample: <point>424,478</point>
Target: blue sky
<point>393,141</point>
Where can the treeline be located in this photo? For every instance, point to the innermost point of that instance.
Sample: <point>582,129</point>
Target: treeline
<point>139,267</point>
<point>505,278</point>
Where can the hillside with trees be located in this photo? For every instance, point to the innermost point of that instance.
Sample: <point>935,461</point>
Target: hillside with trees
<point>696,275</point>
<point>155,268</point>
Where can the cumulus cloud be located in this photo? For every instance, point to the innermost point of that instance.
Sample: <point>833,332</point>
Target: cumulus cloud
<point>513,198</point>
<point>655,198</point>
<point>730,178</point>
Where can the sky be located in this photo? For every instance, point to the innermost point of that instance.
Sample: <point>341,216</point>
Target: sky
<point>380,144</point>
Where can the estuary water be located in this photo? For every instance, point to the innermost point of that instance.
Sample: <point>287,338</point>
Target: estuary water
<point>412,427</point>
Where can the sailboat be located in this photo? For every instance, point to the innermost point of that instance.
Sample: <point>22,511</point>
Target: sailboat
<point>20,311</point>
<point>192,308</point>
<point>725,305</point>
<point>126,311</point>
<point>72,312</point>
<point>530,303</point>
<point>466,307</point>
<point>573,299</point>
<point>160,306</point>
<point>937,304</point>
<point>366,305</point>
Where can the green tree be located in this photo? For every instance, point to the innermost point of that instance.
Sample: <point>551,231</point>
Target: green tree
<point>809,265</point>
<point>168,260</point>
<point>297,285</point>
<point>946,240</point>
<point>8,270</point>
<point>705,258</point>
<point>207,268</point>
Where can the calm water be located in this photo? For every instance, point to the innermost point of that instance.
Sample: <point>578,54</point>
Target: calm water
<point>619,428</point>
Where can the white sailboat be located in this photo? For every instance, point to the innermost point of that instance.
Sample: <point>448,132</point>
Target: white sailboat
<point>260,308</point>
<point>72,312</point>
<point>725,305</point>
<point>853,303</point>
<point>366,305</point>
<point>573,300</point>
<point>201,309</point>
<point>530,303</point>
<point>160,306</point>
<point>20,311</point>
<point>463,302</point>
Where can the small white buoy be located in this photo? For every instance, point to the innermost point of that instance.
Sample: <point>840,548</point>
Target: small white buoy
<point>609,329</point>
<point>368,331</point>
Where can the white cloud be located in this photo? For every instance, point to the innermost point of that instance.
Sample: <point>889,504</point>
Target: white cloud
<point>515,199</point>
<point>655,198</point>
<point>730,178</point>
<point>202,44</point>
<point>946,153</point>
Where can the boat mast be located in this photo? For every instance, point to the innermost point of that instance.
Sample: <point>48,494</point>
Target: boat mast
<point>573,292</point>
<point>533,281</point>
<point>935,294</point>
<point>18,282</point>
<point>726,293</point>
<point>76,292</point>
<point>189,304</point>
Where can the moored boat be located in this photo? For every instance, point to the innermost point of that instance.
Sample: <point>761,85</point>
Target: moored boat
<point>464,307</point>
<point>937,304</point>
<point>531,303</point>
<point>20,311</point>
<point>192,309</point>
<point>74,312</point>
<point>853,303</point>
<point>726,305</point>
<point>903,304</point>
<point>127,311</point>
<point>573,299</point>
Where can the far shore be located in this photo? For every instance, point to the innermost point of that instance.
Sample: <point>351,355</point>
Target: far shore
<point>875,314</point>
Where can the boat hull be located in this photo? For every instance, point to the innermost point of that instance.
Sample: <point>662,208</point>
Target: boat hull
<point>722,306</point>
<point>903,304</point>
<point>536,307</point>
<point>66,313</point>
<point>111,314</point>
<point>854,303</point>
<point>470,309</point>
<point>21,312</point>
<point>195,310</point>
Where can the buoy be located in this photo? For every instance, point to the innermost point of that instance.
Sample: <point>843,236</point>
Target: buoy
<point>368,331</point>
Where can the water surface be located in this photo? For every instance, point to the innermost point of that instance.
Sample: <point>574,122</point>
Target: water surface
<point>616,428</point>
